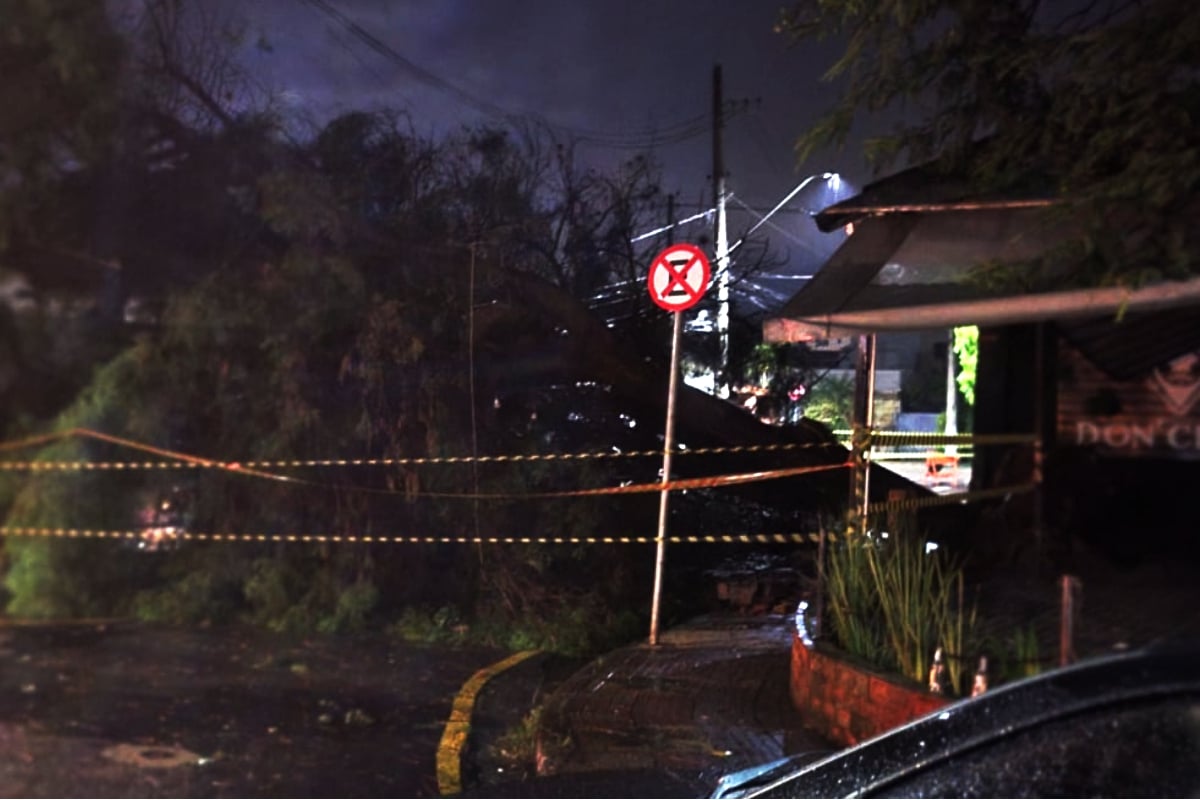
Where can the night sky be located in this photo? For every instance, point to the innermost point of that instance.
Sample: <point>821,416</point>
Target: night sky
<point>601,69</point>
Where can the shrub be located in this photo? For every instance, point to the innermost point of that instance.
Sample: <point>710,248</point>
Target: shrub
<point>354,604</point>
<point>422,626</point>
<point>195,597</point>
<point>582,630</point>
<point>831,401</point>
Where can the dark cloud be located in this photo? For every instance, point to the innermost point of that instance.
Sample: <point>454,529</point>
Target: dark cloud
<point>620,69</point>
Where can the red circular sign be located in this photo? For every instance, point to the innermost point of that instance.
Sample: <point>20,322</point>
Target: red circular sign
<point>678,277</point>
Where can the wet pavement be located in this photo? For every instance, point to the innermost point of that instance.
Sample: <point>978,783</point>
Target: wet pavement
<point>127,710</point>
<point>118,710</point>
<point>710,698</point>
<point>123,710</point>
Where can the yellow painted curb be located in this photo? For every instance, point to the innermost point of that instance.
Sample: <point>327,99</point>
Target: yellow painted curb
<point>454,737</point>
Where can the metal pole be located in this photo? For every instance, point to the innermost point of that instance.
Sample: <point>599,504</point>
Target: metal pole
<point>951,397</point>
<point>668,448</point>
<point>1066,624</point>
<point>474,422</point>
<point>867,355</point>
<point>1039,431</point>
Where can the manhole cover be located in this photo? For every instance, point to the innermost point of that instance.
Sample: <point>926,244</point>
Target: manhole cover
<point>152,756</point>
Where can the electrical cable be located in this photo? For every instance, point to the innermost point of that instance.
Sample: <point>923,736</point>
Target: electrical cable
<point>763,219</point>
<point>644,139</point>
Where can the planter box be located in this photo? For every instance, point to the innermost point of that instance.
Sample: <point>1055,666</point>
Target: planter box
<point>848,701</point>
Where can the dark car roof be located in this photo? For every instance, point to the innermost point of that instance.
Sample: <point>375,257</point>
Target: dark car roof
<point>968,724</point>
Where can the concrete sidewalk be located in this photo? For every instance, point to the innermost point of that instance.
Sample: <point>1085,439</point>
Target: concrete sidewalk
<point>710,698</point>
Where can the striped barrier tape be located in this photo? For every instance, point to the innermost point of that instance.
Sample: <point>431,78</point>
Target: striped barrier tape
<point>911,504</point>
<point>752,538</point>
<point>187,461</point>
<point>897,438</point>
<point>304,538</point>
<point>708,482</point>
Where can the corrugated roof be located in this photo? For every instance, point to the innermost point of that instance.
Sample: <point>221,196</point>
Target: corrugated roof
<point>1135,344</point>
<point>912,262</point>
<point>921,259</point>
<point>851,268</point>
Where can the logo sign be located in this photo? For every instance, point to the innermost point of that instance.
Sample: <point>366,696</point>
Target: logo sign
<point>678,277</point>
<point>1179,385</point>
<point>1157,416</point>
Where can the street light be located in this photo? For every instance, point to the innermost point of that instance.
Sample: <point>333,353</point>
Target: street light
<point>829,177</point>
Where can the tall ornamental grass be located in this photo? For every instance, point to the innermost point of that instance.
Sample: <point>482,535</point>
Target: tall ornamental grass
<point>893,604</point>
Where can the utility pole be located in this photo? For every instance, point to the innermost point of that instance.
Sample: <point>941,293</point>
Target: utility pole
<point>863,422</point>
<point>721,237</point>
<point>670,219</point>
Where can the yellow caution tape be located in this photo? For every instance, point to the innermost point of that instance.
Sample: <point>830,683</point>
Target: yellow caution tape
<point>301,538</point>
<point>897,438</point>
<point>187,461</point>
<point>676,485</point>
<point>949,499</point>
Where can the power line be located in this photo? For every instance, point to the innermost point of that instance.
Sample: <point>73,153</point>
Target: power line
<point>756,209</point>
<point>764,220</point>
<point>420,73</point>
<point>643,139</point>
<point>784,231</point>
<point>702,215</point>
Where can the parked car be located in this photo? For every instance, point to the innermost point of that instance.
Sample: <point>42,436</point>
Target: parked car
<point>1126,725</point>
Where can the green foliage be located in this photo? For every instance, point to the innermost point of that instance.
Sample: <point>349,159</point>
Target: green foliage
<point>283,595</point>
<point>309,299</point>
<point>966,350</point>
<point>1013,653</point>
<point>518,744</point>
<point>763,363</point>
<point>197,587</point>
<point>1025,652</point>
<point>69,577</point>
<point>62,65</point>
<point>582,630</point>
<point>421,626</point>
<point>205,585</point>
<point>1094,104</point>
<point>893,603</point>
<point>579,631</point>
<point>353,608</point>
<point>853,606</point>
<point>831,401</point>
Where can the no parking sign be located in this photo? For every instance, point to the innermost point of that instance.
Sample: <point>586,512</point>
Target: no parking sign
<point>678,277</point>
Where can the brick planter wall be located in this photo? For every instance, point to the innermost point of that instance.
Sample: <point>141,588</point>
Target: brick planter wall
<point>849,702</point>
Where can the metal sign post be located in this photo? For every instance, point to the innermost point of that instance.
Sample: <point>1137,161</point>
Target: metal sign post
<point>678,278</point>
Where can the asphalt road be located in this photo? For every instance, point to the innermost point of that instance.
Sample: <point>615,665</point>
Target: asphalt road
<point>122,710</point>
